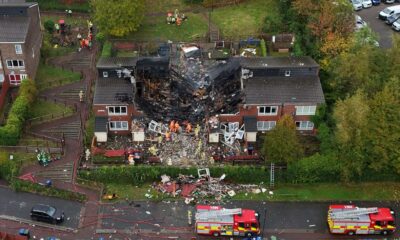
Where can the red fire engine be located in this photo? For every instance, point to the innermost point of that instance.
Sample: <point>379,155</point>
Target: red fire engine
<point>218,221</point>
<point>349,219</point>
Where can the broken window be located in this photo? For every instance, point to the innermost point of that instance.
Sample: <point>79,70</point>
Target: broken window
<point>267,110</point>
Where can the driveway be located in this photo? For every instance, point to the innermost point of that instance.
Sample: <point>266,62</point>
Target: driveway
<point>19,204</point>
<point>384,31</point>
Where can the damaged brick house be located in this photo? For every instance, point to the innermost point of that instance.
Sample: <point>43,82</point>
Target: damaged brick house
<point>255,91</point>
<point>20,41</point>
<point>273,87</point>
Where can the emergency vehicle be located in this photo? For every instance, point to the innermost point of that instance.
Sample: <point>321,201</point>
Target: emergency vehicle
<point>349,219</point>
<point>217,221</point>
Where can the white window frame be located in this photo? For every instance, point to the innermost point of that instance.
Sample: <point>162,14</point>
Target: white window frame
<point>19,65</point>
<point>304,125</point>
<point>113,112</point>
<point>105,74</point>
<point>23,76</point>
<point>1,77</point>
<point>118,125</point>
<point>18,49</point>
<point>264,113</point>
<point>265,125</point>
<point>306,110</point>
<point>287,73</point>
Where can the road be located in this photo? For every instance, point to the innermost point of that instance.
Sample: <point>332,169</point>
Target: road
<point>19,204</point>
<point>384,31</point>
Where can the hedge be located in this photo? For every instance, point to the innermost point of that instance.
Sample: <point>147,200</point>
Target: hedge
<point>107,49</point>
<point>144,174</point>
<point>11,132</point>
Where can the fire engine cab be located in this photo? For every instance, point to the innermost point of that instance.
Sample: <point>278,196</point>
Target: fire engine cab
<point>217,221</point>
<point>349,219</point>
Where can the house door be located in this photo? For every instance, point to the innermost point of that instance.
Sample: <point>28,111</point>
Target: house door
<point>15,79</point>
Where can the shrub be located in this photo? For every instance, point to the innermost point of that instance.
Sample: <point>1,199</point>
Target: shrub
<point>8,168</point>
<point>272,24</point>
<point>263,48</point>
<point>107,48</point>
<point>100,37</point>
<point>49,26</point>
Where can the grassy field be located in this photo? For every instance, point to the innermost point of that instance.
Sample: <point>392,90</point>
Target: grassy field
<point>156,29</point>
<point>18,157</point>
<point>243,20</point>
<point>44,109</point>
<point>317,192</point>
<point>59,6</point>
<point>48,77</point>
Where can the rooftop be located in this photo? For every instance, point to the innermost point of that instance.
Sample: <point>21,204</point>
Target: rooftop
<point>13,28</point>
<point>18,4</point>
<point>276,62</point>
<point>113,91</point>
<point>116,62</point>
<point>278,90</point>
<point>100,124</point>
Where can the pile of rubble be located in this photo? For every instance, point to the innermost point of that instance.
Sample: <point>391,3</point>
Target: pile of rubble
<point>204,188</point>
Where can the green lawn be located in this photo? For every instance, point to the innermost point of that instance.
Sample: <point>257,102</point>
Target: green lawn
<point>245,19</point>
<point>316,192</point>
<point>22,158</point>
<point>48,110</point>
<point>154,6</point>
<point>156,29</point>
<point>49,76</point>
<point>60,6</point>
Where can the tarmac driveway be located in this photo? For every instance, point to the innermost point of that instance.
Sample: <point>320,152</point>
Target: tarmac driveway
<point>19,204</point>
<point>384,31</point>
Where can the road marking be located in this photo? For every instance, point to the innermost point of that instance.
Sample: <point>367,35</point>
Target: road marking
<point>45,225</point>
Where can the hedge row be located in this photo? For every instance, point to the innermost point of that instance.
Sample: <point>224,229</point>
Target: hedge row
<point>11,132</point>
<point>143,174</point>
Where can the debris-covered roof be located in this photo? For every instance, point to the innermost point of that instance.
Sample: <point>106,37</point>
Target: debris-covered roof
<point>13,28</point>
<point>116,62</point>
<point>100,124</point>
<point>113,91</point>
<point>278,90</point>
<point>277,62</point>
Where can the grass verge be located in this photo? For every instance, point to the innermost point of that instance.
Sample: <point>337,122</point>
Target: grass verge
<point>132,192</point>
<point>27,140</point>
<point>49,76</point>
<point>43,110</point>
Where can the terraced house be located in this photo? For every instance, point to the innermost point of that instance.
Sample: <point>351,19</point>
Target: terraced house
<point>20,40</point>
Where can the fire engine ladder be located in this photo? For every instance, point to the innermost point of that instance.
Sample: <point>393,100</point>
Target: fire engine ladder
<point>354,213</point>
<point>218,213</point>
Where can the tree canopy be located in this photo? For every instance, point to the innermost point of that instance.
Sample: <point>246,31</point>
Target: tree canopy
<point>118,17</point>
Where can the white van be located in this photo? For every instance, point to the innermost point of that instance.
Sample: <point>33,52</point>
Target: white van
<point>389,11</point>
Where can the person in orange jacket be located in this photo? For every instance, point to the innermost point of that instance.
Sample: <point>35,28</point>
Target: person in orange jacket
<point>172,126</point>
<point>177,127</point>
<point>188,128</point>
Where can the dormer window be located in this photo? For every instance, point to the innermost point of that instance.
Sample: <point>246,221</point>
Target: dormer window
<point>287,73</point>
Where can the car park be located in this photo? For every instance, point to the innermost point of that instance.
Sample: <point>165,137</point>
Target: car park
<point>357,5</point>
<point>392,18</point>
<point>366,3</point>
<point>388,1</point>
<point>389,11</point>
<point>46,213</point>
<point>396,25</point>
<point>376,2</point>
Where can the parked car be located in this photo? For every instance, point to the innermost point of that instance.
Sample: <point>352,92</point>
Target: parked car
<point>376,2</point>
<point>357,5</point>
<point>389,11</point>
<point>46,213</point>
<point>396,25</point>
<point>392,18</point>
<point>366,3</point>
<point>360,23</point>
<point>388,1</point>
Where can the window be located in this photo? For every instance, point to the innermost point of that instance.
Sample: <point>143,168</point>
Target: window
<point>287,73</point>
<point>15,64</point>
<point>118,125</point>
<point>267,110</point>
<point>305,110</point>
<point>265,125</point>
<point>117,110</point>
<point>304,125</point>
<point>18,49</point>
<point>105,74</point>
<point>24,76</point>
<point>1,77</point>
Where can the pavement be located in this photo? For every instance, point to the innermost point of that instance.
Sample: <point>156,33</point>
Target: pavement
<point>384,31</point>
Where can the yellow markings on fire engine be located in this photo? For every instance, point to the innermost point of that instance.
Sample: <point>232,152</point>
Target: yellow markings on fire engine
<point>201,227</point>
<point>215,228</point>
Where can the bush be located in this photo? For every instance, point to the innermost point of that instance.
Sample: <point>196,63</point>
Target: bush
<point>25,186</point>
<point>272,24</point>
<point>100,37</point>
<point>49,26</point>
<point>263,48</point>
<point>11,132</point>
<point>107,48</point>
<point>8,168</point>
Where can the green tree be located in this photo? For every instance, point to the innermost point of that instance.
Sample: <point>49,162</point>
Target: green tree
<point>118,17</point>
<point>383,135</point>
<point>281,144</point>
<point>351,116</point>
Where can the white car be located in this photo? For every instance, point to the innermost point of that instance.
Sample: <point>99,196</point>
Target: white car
<point>366,3</point>
<point>357,4</point>
<point>396,25</point>
<point>360,23</point>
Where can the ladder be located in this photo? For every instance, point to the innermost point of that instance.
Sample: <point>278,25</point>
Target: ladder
<point>272,176</point>
<point>217,213</point>
<point>353,213</point>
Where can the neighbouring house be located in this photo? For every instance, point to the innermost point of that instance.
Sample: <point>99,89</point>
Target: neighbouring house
<point>273,87</point>
<point>20,40</point>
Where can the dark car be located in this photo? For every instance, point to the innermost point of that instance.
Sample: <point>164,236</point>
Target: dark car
<point>376,2</point>
<point>392,18</point>
<point>46,213</point>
